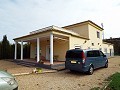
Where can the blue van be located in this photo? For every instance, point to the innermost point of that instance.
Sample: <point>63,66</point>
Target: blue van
<point>85,60</point>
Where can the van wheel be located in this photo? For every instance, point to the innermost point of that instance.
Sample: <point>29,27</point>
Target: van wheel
<point>90,71</point>
<point>106,65</point>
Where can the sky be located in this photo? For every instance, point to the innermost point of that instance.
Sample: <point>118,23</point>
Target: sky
<point>19,17</point>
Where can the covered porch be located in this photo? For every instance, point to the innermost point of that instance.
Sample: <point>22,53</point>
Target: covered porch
<point>47,46</point>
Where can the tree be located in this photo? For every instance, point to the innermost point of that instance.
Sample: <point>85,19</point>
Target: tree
<point>0,50</point>
<point>26,50</point>
<point>5,48</point>
<point>12,49</point>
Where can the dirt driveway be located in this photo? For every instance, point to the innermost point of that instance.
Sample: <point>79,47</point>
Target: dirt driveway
<point>62,80</point>
<point>66,80</point>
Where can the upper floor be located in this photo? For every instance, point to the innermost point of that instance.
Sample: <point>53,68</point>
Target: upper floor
<point>88,29</point>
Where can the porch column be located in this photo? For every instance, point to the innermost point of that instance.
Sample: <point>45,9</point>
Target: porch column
<point>51,48</point>
<point>38,49</point>
<point>21,50</point>
<point>15,55</point>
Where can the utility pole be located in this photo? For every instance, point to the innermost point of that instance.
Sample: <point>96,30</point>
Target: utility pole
<point>103,29</point>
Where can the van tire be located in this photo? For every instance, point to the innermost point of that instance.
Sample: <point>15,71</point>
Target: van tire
<point>106,65</point>
<point>91,70</point>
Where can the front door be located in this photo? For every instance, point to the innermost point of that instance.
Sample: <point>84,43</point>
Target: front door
<point>48,52</point>
<point>110,52</point>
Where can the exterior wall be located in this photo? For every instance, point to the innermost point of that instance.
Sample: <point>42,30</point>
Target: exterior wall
<point>32,50</point>
<point>43,45</point>
<point>93,37</point>
<point>106,49</point>
<point>80,29</point>
<point>74,41</point>
<point>60,48</point>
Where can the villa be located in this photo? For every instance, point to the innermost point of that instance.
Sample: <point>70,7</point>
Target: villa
<point>51,43</point>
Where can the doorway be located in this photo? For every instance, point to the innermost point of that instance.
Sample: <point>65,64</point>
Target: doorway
<point>48,52</point>
<point>110,52</point>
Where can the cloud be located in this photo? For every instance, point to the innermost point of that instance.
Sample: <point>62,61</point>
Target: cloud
<point>19,17</point>
<point>118,4</point>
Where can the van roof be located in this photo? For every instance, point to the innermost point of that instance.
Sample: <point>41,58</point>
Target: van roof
<point>85,50</point>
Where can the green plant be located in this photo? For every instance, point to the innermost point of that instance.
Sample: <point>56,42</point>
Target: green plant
<point>115,82</point>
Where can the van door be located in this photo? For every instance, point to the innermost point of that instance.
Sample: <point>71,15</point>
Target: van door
<point>102,59</point>
<point>99,58</point>
<point>92,57</point>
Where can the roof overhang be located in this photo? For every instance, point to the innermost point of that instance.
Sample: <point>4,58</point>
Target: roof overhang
<point>50,29</point>
<point>85,22</point>
<point>107,43</point>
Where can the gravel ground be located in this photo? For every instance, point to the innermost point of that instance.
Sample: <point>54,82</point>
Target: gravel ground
<point>13,68</point>
<point>66,80</point>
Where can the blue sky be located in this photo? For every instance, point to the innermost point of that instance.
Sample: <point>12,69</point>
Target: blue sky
<point>19,17</point>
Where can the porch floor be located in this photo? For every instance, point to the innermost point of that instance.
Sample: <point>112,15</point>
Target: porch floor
<point>58,65</point>
<point>46,62</point>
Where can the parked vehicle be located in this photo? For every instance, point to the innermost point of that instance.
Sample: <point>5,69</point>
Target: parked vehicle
<point>85,60</point>
<point>7,81</point>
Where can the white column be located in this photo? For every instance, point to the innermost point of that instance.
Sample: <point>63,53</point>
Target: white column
<point>15,55</point>
<point>38,49</point>
<point>21,50</point>
<point>51,48</point>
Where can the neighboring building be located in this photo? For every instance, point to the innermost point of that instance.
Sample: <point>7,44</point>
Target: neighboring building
<point>53,42</point>
<point>116,43</point>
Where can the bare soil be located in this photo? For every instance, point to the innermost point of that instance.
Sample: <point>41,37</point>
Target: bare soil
<point>66,80</point>
<point>13,68</point>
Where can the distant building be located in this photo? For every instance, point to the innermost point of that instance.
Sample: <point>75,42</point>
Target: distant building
<point>116,44</point>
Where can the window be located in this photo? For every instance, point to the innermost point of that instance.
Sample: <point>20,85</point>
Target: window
<point>98,34</point>
<point>74,54</point>
<point>93,54</point>
<point>97,53</point>
<point>90,54</point>
<point>101,53</point>
<point>105,50</point>
<point>92,44</point>
<point>77,46</point>
<point>100,49</point>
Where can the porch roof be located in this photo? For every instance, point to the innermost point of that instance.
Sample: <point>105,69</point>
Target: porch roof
<point>52,28</point>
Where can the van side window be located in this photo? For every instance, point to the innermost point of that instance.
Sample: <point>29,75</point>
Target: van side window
<point>101,53</point>
<point>93,54</point>
<point>97,53</point>
<point>90,54</point>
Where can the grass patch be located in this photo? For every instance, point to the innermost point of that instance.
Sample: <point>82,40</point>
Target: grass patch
<point>115,82</point>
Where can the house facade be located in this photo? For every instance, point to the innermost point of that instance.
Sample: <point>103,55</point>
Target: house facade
<point>51,43</point>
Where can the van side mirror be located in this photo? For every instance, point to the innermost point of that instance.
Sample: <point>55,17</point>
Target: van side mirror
<point>104,55</point>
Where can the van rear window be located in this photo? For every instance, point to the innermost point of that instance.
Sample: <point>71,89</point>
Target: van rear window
<point>74,54</point>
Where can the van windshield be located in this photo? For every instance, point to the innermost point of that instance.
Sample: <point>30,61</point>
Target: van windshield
<point>74,54</point>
